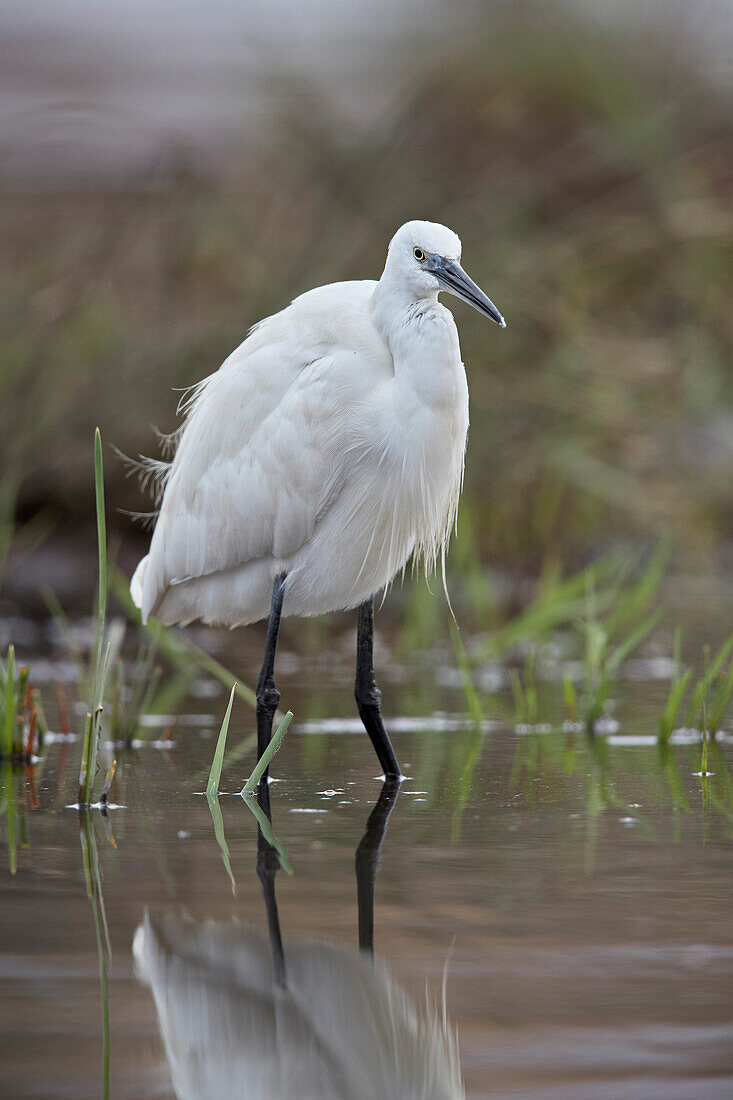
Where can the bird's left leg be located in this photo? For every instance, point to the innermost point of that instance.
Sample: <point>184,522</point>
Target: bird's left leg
<point>268,697</point>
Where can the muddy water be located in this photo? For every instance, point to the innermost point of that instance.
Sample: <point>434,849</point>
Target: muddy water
<point>576,895</point>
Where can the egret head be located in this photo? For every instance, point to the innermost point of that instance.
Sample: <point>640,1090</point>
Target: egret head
<point>426,258</point>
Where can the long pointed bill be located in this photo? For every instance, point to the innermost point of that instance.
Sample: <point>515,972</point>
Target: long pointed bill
<point>454,278</point>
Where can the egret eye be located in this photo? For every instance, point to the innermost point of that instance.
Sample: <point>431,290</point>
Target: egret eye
<point>419,255</point>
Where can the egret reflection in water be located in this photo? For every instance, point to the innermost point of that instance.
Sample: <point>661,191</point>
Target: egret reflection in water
<point>242,1013</point>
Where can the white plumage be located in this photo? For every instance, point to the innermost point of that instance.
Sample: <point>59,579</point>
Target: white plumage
<point>328,447</point>
<point>342,1030</point>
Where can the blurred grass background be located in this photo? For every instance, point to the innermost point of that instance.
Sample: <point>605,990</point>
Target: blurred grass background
<point>587,166</point>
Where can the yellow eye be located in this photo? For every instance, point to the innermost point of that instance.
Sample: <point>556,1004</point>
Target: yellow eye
<point>419,255</point>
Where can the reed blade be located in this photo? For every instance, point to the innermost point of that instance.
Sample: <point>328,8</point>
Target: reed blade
<point>275,741</point>
<point>212,787</point>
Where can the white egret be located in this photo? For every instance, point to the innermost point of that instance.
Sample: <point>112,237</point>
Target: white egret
<point>324,452</point>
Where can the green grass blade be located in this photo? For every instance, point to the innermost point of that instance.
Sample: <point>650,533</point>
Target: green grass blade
<point>9,726</point>
<point>520,708</point>
<point>102,556</point>
<point>703,685</point>
<point>539,620</point>
<point>626,648</point>
<point>472,699</point>
<point>556,604</point>
<point>93,723</point>
<point>95,728</point>
<point>636,599</point>
<point>719,660</point>
<point>570,696</point>
<point>263,762</point>
<point>721,700</point>
<point>84,767</point>
<point>212,787</point>
<point>669,715</point>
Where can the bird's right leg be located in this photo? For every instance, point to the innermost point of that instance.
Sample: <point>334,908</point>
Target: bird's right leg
<point>268,696</point>
<point>368,696</point>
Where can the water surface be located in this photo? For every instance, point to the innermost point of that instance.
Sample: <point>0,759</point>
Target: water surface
<point>575,893</point>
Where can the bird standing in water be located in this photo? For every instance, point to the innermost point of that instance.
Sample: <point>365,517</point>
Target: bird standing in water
<point>325,452</point>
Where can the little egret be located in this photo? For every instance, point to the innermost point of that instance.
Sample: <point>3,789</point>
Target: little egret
<point>324,452</point>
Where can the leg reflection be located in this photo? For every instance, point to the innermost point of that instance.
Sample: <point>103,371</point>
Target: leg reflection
<point>268,864</point>
<point>368,860</point>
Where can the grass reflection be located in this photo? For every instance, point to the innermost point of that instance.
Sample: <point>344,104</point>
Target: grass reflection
<point>215,811</point>
<point>9,812</point>
<point>93,878</point>
<point>268,833</point>
<point>18,795</point>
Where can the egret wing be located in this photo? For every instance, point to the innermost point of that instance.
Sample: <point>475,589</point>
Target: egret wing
<point>260,458</point>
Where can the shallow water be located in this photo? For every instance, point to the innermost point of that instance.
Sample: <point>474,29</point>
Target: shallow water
<point>574,893</point>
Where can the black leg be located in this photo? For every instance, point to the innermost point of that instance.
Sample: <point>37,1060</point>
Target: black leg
<point>268,864</point>
<point>368,695</point>
<point>369,859</point>
<point>268,696</point>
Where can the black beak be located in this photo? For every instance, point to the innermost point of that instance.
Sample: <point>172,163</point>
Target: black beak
<point>452,276</point>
